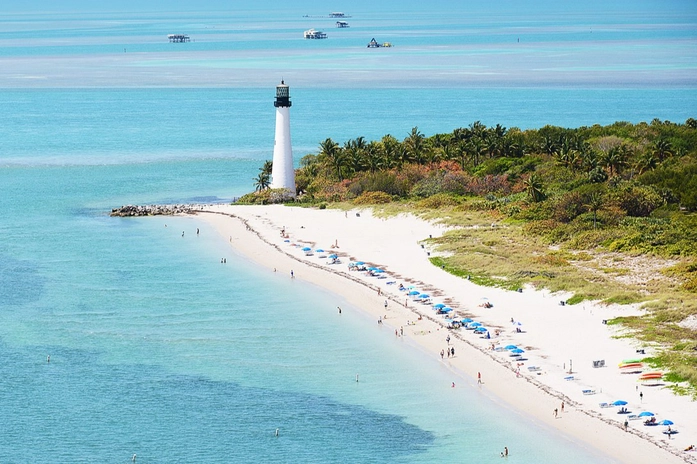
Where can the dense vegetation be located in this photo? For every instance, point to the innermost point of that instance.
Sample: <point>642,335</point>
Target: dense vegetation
<point>563,196</point>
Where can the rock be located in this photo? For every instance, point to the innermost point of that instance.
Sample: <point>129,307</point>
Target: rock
<point>154,210</point>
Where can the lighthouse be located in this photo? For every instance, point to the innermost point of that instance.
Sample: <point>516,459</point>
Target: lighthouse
<point>282,173</point>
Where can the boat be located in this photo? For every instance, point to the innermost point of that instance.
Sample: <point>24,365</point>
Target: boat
<point>651,376</point>
<point>374,44</point>
<point>313,34</point>
<point>631,365</point>
<point>342,24</point>
<point>178,38</point>
<point>337,14</point>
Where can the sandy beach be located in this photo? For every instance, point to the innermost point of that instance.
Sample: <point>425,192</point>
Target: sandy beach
<point>560,343</point>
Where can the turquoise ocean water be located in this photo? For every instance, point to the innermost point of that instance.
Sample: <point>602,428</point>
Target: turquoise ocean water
<point>158,349</point>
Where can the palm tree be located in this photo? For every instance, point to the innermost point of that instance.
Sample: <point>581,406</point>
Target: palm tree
<point>616,159</point>
<point>662,149</point>
<point>533,185</point>
<point>267,168</point>
<point>595,202</point>
<point>353,154</point>
<point>331,151</point>
<point>373,160</point>
<point>389,146</point>
<point>415,145</point>
<point>262,181</point>
<point>647,162</point>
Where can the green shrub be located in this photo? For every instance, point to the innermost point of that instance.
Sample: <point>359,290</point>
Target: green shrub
<point>373,198</point>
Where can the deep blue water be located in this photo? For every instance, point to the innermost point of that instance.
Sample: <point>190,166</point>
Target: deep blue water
<point>156,348</point>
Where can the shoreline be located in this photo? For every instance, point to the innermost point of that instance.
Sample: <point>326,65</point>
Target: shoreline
<point>552,337</point>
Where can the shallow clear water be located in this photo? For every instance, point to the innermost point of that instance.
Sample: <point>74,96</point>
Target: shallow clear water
<point>158,349</point>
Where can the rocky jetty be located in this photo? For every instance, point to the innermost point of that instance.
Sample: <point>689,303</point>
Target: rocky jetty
<point>154,210</point>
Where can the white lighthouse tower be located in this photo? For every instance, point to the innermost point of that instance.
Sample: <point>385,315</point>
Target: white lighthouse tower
<point>283,173</point>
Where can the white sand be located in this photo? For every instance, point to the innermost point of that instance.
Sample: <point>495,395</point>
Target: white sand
<point>554,337</point>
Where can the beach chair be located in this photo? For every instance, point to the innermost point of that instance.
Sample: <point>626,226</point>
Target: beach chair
<point>604,405</point>
<point>588,391</point>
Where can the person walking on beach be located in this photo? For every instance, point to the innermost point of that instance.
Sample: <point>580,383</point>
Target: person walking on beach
<point>442,353</point>
<point>556,412</point>
<point>479,378</point>
<point>385,304</point>
<point>447,339</point>
<point>562,406</point>
<point>505,451</point>
<point>641,397</point>
<point>292,275</point>
<point>339,309</point>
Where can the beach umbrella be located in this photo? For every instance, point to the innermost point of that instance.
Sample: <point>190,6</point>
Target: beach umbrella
<point>333,256</point>
<point>446,310</point>
<point>666,422</point>
<point>424,296</point>
<point>518,351</point>
<point>475,324</point>
<point>413,292</point>
<point>510,347</point>
<point>466,320</point>
<point>646,414</point>
<point>319,250</point>
<point>481,329</point>
<point>619,403</point>
<point>287,241</point>
<point>358,263</point>
<point>379,271</point>
<point>307,249</point>
<point>439,305</point>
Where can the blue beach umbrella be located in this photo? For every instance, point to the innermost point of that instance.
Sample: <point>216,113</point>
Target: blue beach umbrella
<point>379,271</point>
<point>646,414</point>
<point>666,422</point>
<point>413,292</point>
<point>619,403</point>
<point>518,351</point>
<point>287,241</point>
<point>319,250</point>
<point>333,256</point>
<point>307,249</point>
<point>424,296</point>
<point>510,347</point>
<point>439,305</point>
<point>466,320</point>
<point>481,329</point>
<point>446,310</point>
<point>358,263</point>
<point>475,324</point>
